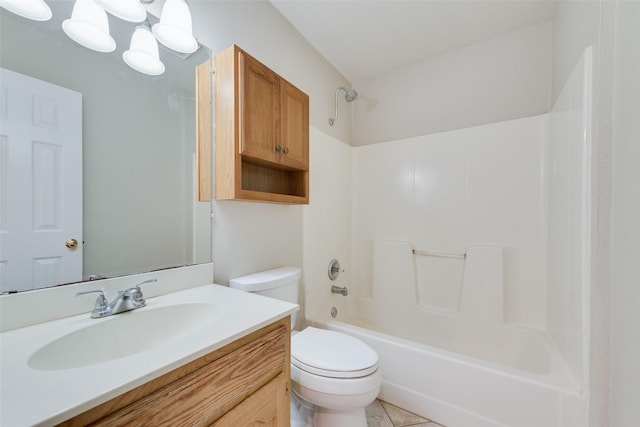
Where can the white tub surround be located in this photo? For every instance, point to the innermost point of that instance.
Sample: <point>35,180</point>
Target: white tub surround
<point>33,396</point>
<point>471,253</point>
<point>437,322</point>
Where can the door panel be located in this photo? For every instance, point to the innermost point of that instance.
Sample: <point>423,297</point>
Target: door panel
<point>295,127</point>
<point>260,108</point>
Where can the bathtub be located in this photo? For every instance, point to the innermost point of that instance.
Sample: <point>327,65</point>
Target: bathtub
<point>517,380</point>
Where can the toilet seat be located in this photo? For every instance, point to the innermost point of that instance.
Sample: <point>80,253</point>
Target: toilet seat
<point>343,387</point>
<point>332,354</point>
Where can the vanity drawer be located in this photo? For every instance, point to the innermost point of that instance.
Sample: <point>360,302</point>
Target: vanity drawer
<point>269,406</point>
<point>202,391</point>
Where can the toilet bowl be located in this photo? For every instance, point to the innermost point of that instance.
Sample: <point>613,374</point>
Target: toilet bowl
<point>335,373</point>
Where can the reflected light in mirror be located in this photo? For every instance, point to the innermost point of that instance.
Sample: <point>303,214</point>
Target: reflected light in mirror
<point>142,55</point>
<point>89,26</point>
<point>36,10</point>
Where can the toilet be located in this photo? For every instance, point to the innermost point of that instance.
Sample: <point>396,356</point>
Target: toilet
<point>333,372</point>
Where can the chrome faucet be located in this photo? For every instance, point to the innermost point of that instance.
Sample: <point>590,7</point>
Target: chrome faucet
<point>127,300</point>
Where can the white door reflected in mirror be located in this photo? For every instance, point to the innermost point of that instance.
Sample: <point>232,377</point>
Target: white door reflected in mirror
<point>40,183</point>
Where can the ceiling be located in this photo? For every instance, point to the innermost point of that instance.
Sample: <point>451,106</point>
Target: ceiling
<point>366,38</point>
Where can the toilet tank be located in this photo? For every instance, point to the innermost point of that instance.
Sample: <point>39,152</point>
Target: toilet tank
<point>280,283</point>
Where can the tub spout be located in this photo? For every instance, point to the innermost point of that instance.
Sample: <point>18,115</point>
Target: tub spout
<point>339,290</point>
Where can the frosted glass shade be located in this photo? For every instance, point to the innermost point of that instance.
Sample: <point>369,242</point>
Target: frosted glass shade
<point>175,29</point>
<point>89,26</point>
<point>128,10</point>
<point>37,10</point>
<point>143,55</point>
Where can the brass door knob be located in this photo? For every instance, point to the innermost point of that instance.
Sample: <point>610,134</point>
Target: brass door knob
<point>71,243</point>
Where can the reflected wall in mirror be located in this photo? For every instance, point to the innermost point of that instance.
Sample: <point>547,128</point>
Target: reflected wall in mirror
<point>139,202</point>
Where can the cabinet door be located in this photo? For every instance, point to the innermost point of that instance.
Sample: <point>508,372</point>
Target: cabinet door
<point>259,89</point>
<point>294,127</point>
<point>267,407</point>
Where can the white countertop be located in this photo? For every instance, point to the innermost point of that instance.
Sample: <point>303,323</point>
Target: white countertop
<point>46,397</point>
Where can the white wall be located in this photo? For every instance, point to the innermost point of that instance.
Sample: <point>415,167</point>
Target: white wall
<point>625,357</point>
<point>327,223</point>
<point>500,79</point>
<point>447,191</point>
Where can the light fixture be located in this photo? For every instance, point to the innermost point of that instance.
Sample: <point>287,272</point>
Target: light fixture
<point>128,10</point>
<point>37,10</point>
<point>89,26</point>
<point>175,27</point>
<point>143,55</point>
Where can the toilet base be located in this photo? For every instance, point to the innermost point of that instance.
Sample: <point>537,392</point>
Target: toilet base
<point>307,414</point>
<point>328,418</point>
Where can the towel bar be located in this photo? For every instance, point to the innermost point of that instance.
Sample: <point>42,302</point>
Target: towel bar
<point>439,254</point>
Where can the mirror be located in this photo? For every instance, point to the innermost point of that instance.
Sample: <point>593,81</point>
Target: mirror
<point>139,207</point>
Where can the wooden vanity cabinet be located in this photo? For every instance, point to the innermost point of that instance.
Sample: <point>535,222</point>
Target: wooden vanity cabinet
<point>263,408</point>
<point>261,132</point>
<point>244,383</point>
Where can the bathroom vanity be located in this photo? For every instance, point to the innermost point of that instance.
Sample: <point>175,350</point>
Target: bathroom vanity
<point>208,355</point>
<point>243,382</point>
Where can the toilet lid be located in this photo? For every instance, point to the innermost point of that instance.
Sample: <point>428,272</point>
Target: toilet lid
<point>332,354</point>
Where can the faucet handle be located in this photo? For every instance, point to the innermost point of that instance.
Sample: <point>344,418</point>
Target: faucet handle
<point>137,287</point>
<point>101,303</point>
<point>145,282</point>
<point>136,294</point>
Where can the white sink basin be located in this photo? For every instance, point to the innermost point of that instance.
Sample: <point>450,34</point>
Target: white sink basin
<point>124,334</point>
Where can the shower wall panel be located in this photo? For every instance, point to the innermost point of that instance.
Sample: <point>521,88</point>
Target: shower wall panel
<point>569,207</point>
<point>445,192</point>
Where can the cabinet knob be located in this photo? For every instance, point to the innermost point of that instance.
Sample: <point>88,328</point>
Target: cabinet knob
<point>278,148</point>
<point>286,150</point>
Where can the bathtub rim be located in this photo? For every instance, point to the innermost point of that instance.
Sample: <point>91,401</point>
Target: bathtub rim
<point>559,379</point>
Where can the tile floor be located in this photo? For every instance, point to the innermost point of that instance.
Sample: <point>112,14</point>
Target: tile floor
<point>383,414</point>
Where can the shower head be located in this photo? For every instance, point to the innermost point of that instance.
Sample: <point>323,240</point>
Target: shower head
<point>350,95</point>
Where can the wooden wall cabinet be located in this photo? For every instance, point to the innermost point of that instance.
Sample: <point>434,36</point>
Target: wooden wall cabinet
<point>244,383</point>
<point>261,132</point>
